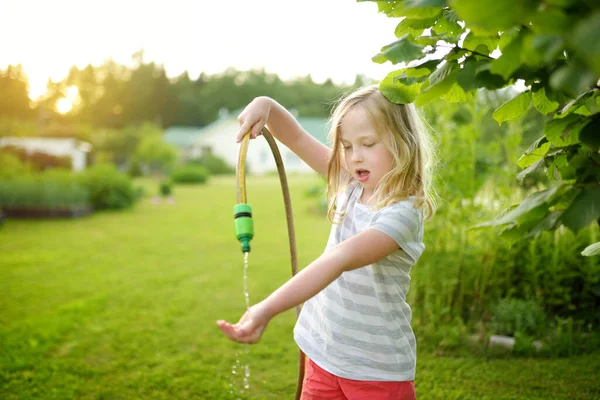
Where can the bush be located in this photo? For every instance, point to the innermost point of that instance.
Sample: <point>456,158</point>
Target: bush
<point>165,189</point>
<point>512,316</point>
<point>109,188</point>
<point>189,174</point>
<point>215,165</point>
<point>11,166</point>
<point>52,190</point>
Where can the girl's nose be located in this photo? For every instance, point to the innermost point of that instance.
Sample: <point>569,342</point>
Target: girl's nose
<point>357,156</point>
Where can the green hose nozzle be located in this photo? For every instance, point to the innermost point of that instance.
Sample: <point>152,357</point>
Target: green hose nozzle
<point>244,226</point>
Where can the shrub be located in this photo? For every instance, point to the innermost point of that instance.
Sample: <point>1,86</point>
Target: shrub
<point>512,316</point>
<point>165,189</point>
<point>215,165</point>
<point>11,165</point>
<point>189,174</point>
<point>52,190</point>
<point>109,188</point>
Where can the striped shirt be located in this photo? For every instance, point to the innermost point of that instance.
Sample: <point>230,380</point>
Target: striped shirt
<point>358,327</point>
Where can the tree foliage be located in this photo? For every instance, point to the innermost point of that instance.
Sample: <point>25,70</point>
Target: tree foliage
<point>111,95</point>
<point>450,49</point>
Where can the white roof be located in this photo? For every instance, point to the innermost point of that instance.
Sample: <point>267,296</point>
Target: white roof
<point>56,146</point>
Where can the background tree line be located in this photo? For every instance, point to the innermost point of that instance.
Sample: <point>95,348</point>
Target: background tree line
<point>115,96</point>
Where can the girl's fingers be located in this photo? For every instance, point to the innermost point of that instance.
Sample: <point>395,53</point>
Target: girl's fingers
<point>233,332</point>
<point>243,130</point>
<point>256,129</point>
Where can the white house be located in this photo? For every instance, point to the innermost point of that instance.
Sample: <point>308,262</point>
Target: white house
<point>76,149</point>
<point>218,138</point>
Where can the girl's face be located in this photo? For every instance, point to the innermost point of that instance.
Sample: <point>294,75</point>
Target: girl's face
<point>366,157</point>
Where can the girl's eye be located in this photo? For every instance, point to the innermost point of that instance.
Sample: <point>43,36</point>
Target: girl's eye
<point>369,144</point>
<point>347,147</point>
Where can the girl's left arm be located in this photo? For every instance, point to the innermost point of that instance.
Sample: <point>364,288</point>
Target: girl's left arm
<point>358,251</point>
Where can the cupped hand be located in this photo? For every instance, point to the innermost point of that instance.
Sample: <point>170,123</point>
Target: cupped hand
<point>253,118</point>
<point>249,328</point>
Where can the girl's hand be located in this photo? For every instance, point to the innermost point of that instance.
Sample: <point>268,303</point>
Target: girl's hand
<point>254,117</point>
<point>250,327</point>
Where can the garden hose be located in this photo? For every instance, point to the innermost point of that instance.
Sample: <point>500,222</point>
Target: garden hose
<point>244,227</point>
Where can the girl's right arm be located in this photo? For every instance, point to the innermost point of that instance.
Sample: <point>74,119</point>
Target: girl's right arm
<point>282,124</point>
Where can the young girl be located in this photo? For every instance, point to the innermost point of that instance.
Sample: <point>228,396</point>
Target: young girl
<point>354,326</point>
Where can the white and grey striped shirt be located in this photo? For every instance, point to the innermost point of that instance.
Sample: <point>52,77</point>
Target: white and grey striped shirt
<point>358,327</point>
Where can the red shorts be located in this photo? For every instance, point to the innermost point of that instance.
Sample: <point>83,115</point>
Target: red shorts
<point>321,385</point>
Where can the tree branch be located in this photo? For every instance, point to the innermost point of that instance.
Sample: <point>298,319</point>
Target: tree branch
<point>470,51</point>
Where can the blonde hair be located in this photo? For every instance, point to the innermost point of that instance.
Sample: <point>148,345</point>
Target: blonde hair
<point>402,131</point>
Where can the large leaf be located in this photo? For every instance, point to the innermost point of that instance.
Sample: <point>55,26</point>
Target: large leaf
<point>518,213</point>
<point>439,82</point>
<point>573,79</point>
<point>513,108</point>
<point>575,104</point>
<point>550,21</point>
<point>399,88</point>
<point>402,50</point>
<point>414,26</point>
<point>473,41</point>
<point>447,25</point>
<point>476,74</point>
<point>456,94</point>
<point>530,169</point>
<point>590,135</point>
<point>565,131</point>
<point>542,103</point>
<point>591,250</point>
<point>493,15</point>
<point>584,209</point>
<point>434,91</point>
<point>585,41</point>
<point>422,8</point>
<point>510,60</point>
<point>535,152</point>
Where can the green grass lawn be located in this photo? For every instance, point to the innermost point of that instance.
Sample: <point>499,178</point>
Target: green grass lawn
<point>122,305</point>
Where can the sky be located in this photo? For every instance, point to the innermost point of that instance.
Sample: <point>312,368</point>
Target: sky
<point>326,38</point>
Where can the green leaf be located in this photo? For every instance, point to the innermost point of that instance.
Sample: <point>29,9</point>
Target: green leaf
<point>591,250</point>
<point>517,214</point>
<point>590,134</point>
<point>425,3</point>
<point>441,73</point>
<point>398,91</point>
<point>439,82</point>
<point>551,21</point>
<point>586,43</point>
<point>542,103</point>
<point>493,15</point>
<point>536,151</point>
<point>413,26</point>
<point>530,169</point>
<point>510,60</point>
<point>420,11</point>
<point>447,25</point>
<point>513,108</point>
<point>564,131</point>
<point>584,209</point>
<point>456,94</point>
<point>402,50</point>
<point>476,74</point>
<point>574,104</point>
<point>473,41</point>
<point>434,91</point>
<point>573,79</point>
<point>547,223</point>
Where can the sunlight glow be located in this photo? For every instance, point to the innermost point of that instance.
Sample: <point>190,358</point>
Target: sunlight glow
<point>64,105</point>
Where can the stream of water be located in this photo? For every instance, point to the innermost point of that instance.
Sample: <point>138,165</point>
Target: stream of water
<point>237,366</point>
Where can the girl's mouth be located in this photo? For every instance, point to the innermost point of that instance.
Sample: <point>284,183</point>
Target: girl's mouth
<point>362,175</point>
